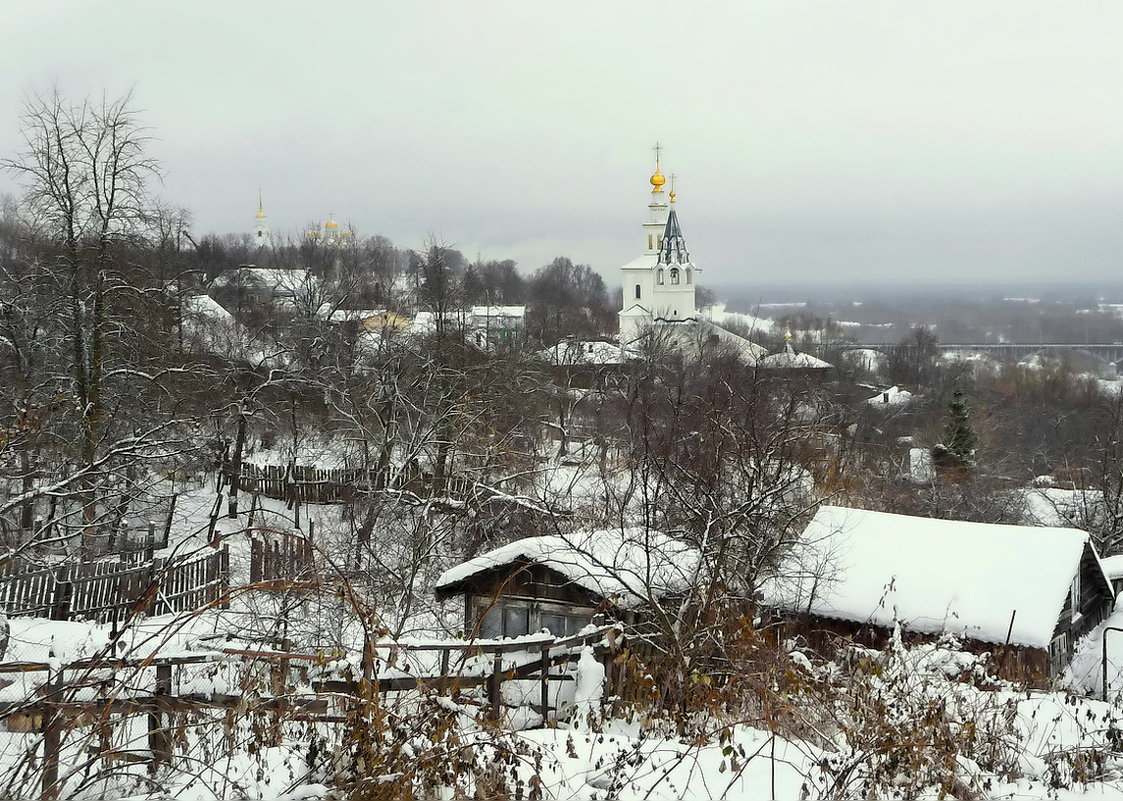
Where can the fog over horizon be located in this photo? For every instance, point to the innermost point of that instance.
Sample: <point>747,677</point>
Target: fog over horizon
<point>852,142</point>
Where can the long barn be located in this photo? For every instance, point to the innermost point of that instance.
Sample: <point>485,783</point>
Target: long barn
<point>1025,593</point>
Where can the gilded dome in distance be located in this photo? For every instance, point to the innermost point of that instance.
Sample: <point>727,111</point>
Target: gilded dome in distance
<point>657,180</point>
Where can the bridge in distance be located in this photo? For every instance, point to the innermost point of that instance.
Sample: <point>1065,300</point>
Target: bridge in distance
<point>1014,351</point>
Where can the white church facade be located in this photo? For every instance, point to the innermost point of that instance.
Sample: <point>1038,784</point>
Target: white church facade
<point>659,285</point>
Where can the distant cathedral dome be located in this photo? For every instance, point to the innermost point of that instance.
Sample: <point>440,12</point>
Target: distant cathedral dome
<point>331,234</point>
<point>657,180</point>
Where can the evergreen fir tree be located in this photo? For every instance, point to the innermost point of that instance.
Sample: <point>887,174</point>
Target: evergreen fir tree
<point>959,437</point>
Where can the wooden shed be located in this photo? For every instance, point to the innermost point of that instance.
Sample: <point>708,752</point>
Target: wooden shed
<point>559,582</point>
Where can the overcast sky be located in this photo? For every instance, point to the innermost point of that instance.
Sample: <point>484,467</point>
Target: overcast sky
<point>833,141</point>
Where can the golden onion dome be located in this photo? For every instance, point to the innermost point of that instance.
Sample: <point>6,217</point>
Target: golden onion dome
<point>657,180</point>
<point>260,213</point>
<point>331,224</point>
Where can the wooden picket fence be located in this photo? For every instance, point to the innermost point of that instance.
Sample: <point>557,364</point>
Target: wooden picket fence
<point>103,591</point>
<point>303,484</point>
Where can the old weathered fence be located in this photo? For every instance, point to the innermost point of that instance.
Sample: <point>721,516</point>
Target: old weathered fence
<point>280,555</point>
<point>543,661</point>
<point>104,591</point>
<point>303,484</point>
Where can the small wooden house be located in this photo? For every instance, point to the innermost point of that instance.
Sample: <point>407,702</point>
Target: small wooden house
<point>1026,594</point>
<point>559,582</point>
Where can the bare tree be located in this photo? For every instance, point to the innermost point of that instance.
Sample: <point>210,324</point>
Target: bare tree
<point>86,171</point>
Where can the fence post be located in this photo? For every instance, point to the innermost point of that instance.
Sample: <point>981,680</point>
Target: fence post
<point>159,741</point>
<point>52,741</point>
<point>60,606</point>
<point>444,672</point>
<point>224,577</point>
<point>545,698</point>
<point>150,545</point>
<point>494,684</point>
<point>168,521</point>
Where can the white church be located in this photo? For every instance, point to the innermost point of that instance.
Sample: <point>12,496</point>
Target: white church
<point>659,286</point>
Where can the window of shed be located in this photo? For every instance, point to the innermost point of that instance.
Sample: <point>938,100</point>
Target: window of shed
<point>503,620</point>
<point>515,623</point>
<point>491,624</point>
<point>561,625</point>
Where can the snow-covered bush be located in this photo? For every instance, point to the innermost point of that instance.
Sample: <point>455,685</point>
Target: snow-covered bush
<point>929,719</point>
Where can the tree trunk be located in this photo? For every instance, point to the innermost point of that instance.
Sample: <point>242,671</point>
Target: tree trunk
<point>235,468</point>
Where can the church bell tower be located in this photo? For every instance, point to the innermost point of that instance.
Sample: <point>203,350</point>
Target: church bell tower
<point>261,236</point>
<point>659,285</point>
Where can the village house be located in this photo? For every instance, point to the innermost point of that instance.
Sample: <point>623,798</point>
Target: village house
<point>492,325</point>
<point>1026,594</point>
<point>559,582</point>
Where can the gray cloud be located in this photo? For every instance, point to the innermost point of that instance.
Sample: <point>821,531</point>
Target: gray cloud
<point>817,141</point>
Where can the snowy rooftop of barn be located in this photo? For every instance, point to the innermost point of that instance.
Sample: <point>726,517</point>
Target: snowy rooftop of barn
<point>931,575</point>
<point>628,566</point>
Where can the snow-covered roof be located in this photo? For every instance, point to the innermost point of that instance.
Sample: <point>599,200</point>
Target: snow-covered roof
<point>749,351</point>
<point>635,310</point>
<point>587,352</point>
<point>647,260</point>
<point>349,315</point>
<point>426,321</point>
<point>693,336</point>
<point>205,306</point>
<point>931,575</point>
<point>1113,567</point>
<point>275,277</point>
<point>499,311</point>
<point>788,359</point>
<point>894,396</point>
<point>627,566</point>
